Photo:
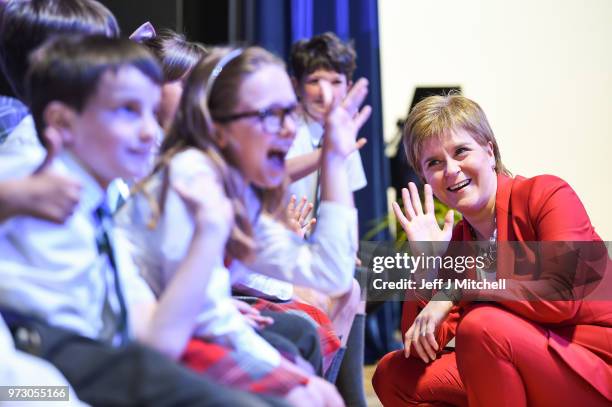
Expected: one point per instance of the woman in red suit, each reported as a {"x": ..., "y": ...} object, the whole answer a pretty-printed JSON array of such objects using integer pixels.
[{"x": 554, "y": 351}]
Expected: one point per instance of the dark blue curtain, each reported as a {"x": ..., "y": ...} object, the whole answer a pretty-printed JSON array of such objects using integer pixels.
[{"x": 279, "y": 23}]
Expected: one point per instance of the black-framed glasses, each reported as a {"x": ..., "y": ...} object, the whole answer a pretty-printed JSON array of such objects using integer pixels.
[{"x": 272, "y": 118}]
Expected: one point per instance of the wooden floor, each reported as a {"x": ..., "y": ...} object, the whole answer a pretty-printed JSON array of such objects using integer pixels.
[{"x": 371, "y": 398}]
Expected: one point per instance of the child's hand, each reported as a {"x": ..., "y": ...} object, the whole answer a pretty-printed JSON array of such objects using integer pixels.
[
  {"x": 212, "y": 212},
  {"x": 344, "y": 119},
  {"x": 252, "y": 315},
  {"x": 44, "y": 194},
  {"x": 296, "y": 216},
  {"x": 47, "y": 196},
  {"x": 316, "y": 393}
]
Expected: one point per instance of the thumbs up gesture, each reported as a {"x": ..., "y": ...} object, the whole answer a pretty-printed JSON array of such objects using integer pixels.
[{"x": 43, "y": 194}]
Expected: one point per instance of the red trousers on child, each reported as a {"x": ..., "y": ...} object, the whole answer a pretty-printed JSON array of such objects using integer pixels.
[{"x": 500, "y": 359}]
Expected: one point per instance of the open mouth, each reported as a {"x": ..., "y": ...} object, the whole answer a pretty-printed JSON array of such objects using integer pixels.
[
  {"x": 277, "y": 157},
  {"x": 459, "y": 186}
]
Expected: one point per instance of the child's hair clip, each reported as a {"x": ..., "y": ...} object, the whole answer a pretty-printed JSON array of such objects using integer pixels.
[{"x": 143, "y": 33}]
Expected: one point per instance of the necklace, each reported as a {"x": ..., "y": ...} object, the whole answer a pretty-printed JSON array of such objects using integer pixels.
[{"x": 488, "y": 252}]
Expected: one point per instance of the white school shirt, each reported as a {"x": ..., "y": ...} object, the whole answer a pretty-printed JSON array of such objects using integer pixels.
[
  {"x": 54, "y": 272},
  {"x": 21, "y": 152},
  {"x": 307, "y": 139},
  {"x": 159, "y": 251},
  {"x": 324, "y": 262}
]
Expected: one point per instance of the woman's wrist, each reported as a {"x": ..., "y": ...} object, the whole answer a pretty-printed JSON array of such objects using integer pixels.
[{"x": 453, "y": 295}]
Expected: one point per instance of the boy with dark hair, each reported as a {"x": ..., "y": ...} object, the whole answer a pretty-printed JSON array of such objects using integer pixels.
[
  {"x": 73, "y": 286},
  {"x": 323, "y": 66},
  {"x": 325, "y": 51},
  {"x": 321, "y": 63},
  {"x": 27, "y": 187},
  {"x": 24, "y": 25}
]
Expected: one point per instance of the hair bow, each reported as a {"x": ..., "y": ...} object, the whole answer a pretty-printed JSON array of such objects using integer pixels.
[{"x": 144, "y": 32}]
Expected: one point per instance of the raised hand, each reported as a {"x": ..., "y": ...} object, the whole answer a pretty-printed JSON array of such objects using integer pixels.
[
  {"x": 344, "y": 119},
  {"x": 421, "y": 225},
  {"x": 211, "y": 210},
  {"x": 296, "y": 216}
]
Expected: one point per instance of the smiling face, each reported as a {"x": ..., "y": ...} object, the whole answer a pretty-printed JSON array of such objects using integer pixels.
[
  {"x": 257, "y": 153},
  {"x": 461, "y": 172},
  {"x": 114, "y": 135},
  {"x": 311, "y": 94}
]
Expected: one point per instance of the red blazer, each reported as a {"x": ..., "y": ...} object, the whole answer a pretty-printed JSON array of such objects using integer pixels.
[{"x": 545, "y": 208}]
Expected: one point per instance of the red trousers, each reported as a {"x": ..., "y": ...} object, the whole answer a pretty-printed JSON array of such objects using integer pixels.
[{"x": 500, "y": 359}]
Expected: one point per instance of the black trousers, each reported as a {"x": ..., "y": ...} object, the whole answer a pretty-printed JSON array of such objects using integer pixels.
[
  {"x": 133, "y": 375},
  {"x": 293, "y": 334}
]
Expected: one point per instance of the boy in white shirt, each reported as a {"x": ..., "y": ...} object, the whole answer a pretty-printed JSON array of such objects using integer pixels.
[
  {"x": 73, "y": 285},
  {"x": 324, "y": 61},
  {"x": 27, "y": 186},
  {"x": 323, "y": 58}
]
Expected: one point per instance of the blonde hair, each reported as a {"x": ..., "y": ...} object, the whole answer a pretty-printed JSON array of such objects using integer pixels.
[
  {"x": 437, "y": 116},
  {"x": 212, "y": 90}
]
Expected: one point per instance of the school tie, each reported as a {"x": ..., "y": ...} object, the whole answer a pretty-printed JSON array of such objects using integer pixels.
[
  {"x": 115, "y": 329},
  {"x": 317, "y": 196}
]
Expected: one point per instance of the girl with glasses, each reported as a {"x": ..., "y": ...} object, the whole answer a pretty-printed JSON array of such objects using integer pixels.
[{"x": 222, "y": 169}]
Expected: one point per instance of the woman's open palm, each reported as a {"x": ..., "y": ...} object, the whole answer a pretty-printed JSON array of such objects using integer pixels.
[{"x": 421, "y": 225}]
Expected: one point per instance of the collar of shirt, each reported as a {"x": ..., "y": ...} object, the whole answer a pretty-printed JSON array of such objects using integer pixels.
[
  {"x": 92, "y": 194},
  {"x": 315, "y": 129}
]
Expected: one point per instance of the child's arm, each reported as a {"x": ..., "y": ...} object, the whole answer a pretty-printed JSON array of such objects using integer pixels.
[
  {"x": 173, "y": 320},
  {"x": 342, "y": 123},
  {"x": 43, "y": 195},
  {"x": 300, "y": 166}
]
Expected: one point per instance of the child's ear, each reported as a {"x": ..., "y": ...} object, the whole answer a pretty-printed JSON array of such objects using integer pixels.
[
  {"x": 60, "y": 117},
  {"x": 220, "y": 136}
]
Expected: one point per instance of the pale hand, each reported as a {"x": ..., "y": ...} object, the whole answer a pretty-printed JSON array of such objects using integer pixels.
[
  {"x": 344, "y": 119},
  {"x": 296, "y": 216},
  {"x": 210, "y": 208},
  {"x": 252, "y": 315},
  {"x": 50, "y": 196},
  {"x": 316, "y": 393},
  {"x": 421, "y": 225},
  {"x": 422, "y": 333}
]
